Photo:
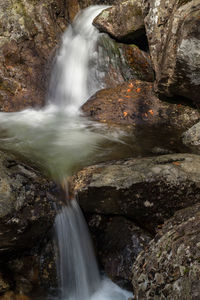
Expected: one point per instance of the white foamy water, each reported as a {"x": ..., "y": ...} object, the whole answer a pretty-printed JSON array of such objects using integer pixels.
[{"x": 59, "y": 139}]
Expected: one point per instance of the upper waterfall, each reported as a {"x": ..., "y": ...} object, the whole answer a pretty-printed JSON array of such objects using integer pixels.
[{"x": 69, "y": 85}]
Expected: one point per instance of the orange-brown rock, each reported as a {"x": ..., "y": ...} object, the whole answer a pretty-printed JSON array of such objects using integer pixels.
[
  {"x": 29, "y": 33},
  {"x": 134, "y": 104}
]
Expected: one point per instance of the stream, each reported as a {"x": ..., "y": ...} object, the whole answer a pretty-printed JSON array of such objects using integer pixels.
[{"x": 60, "y": 140}]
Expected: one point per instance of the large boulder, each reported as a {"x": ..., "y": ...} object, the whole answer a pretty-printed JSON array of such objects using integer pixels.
[
  {"x": 172, "y": 29},
  {"x": 124, "y": 21},
  {"x": 170, "y": 266},
  {"x": 134, "y": 104},
  {"x": 29, "y": 32},
  {"x": 27, "y": 211},
  {"x": 147, "y": 190},
  {"x": 116, "y": 255}
]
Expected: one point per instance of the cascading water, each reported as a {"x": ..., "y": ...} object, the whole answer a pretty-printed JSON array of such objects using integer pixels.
[{"x": 58, "y": 138}]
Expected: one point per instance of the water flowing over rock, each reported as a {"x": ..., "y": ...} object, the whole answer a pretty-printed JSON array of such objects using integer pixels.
[
  {"x": 124, "y": 21},
  {"x": 172, "y": 29},
  {"x": 26, "y": 206},
  {"x": 29, "y": 33},
  {"x": 147, "y": 190},
  {"x": 134, "y": 104},
  {"x": 170, "y": 267}
]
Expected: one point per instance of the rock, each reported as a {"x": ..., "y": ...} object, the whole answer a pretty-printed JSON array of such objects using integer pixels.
[
  {"x": 134, "y": 104},
  {"x": 123, "y": 62},
  {"x": 116, "y": 255},
  {"x": 170, "y": 268},
  {"x": 191, "y": 138},
  {"x": 4, "y": 285},
  {"x": 146, "y": 190},
  {"x": 172, "y": 29},
  {"x": 29, "y": 33},
  {"x": 124, "y": 21},
  {"x": 27, "y": 202}
]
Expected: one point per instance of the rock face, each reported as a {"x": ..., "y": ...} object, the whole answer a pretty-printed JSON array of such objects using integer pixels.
[
  {"x": 123, "y": 62},
  {"x": 118, "y": 242},
  {"x": 29, "y": 32},
  {"x": 147, "y": 190},
  {"x": 26, "y": 206},
  {"x": 172, "y": 29},
  {"x": 124, "y": 21},
  {"x": 134, "y": 104},
  {"x": 170, "y": 267}
]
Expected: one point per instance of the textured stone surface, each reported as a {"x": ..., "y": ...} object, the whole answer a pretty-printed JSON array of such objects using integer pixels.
[
  {"x": 174, "y": 41},
  {"x": 170, "y": 267},
  {"x": 147, "y": 190},
  {"x": 29, "y": 32},
  {"x": 124, "y": 21},
  {"x": 26, "y": 206},
  {"x": 118, "y": 63},
  {"x": 118, "y": 242},
  {"x": 134, "y": 104},
  {"x": 191, "y": 138}
]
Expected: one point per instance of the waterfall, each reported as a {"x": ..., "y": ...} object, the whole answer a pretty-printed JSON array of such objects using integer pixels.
[{"x": 59, "y": 139}]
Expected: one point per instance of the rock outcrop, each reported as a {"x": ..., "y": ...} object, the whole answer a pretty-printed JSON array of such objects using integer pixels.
[
  {"x": 170, "y": 266},
  {"x": 147, "y": 190},
  {"x": 191, "y": 138},
  {"x": 29, "y": 33},
  {"x": 134, "y": 104},
  {"x": 27, "y": 202},
  {"x": 123, "y": 22},
  {"x": 172, "y": 28}
]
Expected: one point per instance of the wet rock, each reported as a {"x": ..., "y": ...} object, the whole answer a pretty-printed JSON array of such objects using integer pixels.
[
  {"x": 124, "y": 21},
  {"x": 170, "y": 268},
  {"x": 191, "y": 138},
  {"x": 123, "y": 62},
  {"x": 29, "y": 32},
  {"x": 134, "y": 104},
  {"x": 26, "y": 206},
  {"x": 118, "y": 242},
  {"x": 172, "y": 29},
  {"x": 146, "y": 190}
]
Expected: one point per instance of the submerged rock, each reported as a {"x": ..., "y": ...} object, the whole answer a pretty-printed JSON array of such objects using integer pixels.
[
  {"x": 134, "y": 104},
  {"x": 29, "y": 32},
  {"x": 147, "y": 190},
  {"x": 26, "y": 206},
  {"x": 118, "y": 242},
  {"x": 124, "y": 21},
  {"x": 172, "y": 29},
  {"x": 170, "y": 266}
]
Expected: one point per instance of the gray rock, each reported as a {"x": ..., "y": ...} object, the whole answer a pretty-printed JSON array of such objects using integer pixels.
[
  {"x": 191, "y": 138},
  {"x": 118, "y": 242},
  {"x": 124, "y": 21},
  {"x": 27, "y": 202},
  {"x": 170, "y": 266},
  {"x": 172, "y": 29},
  {"x": 148, "y": 190}
]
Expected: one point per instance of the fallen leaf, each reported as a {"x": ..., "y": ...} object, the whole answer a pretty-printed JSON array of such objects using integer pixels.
[
  {"x": 138, "y": 90},
  {"x": 130, "y": 85},
  {"x": 129, "y": 90},
  {"x": 176, "y": 163},
  {"x": 151, "y": 112},
  {"x": 125, "y": 113}
]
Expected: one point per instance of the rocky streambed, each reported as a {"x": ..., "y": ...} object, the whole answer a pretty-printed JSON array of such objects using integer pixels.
[{"x": 142, "y": 211}]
